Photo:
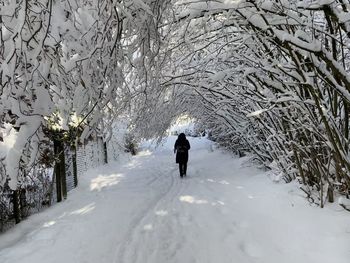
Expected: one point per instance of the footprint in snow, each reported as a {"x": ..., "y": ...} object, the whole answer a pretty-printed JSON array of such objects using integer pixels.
[{"x": 251, "y": 249}]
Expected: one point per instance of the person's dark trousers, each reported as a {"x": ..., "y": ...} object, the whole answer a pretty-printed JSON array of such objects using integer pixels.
[{"x": 183, "y": 169}]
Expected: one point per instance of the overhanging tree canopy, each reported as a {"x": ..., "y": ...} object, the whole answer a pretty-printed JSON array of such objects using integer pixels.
[{"x": 270, "y": 77}]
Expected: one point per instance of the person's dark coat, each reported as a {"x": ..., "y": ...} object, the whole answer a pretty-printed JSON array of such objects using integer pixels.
[{"x": 181, "y": 148}]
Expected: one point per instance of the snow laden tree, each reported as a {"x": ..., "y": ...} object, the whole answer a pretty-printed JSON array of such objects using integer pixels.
[
  {"x": 67, "y": 69},
  {"x": 271, "y": 77}
]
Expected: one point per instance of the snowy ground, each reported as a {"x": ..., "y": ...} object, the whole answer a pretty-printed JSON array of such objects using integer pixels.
[{"x": 141, "y": 211}]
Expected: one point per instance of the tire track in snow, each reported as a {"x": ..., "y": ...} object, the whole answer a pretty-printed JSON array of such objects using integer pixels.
[
  {"x": 128, "y": 250},
  {"x": 163, "y": 239},
  {"x": 155, "y": 239},
  {"x": 168, "y": 236},
  {"x": 185, "y": 221}
]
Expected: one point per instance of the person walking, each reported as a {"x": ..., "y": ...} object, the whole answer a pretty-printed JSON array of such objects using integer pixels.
[{"x": 181, "y": 148}]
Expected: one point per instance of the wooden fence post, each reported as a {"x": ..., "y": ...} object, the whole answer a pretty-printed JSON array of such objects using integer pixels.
[
  {"x": 105, "y": 152},
  {"x": 60, "y": 170},
  {"x": 75, "y": 168},
  {"x": 16, "y": 208}
]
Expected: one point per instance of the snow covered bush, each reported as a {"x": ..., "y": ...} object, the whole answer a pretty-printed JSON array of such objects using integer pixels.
[{"x": 130, "y": 144}]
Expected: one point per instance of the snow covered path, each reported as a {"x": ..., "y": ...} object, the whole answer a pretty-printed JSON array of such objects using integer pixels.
[{"x": 141, "y": 211}]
